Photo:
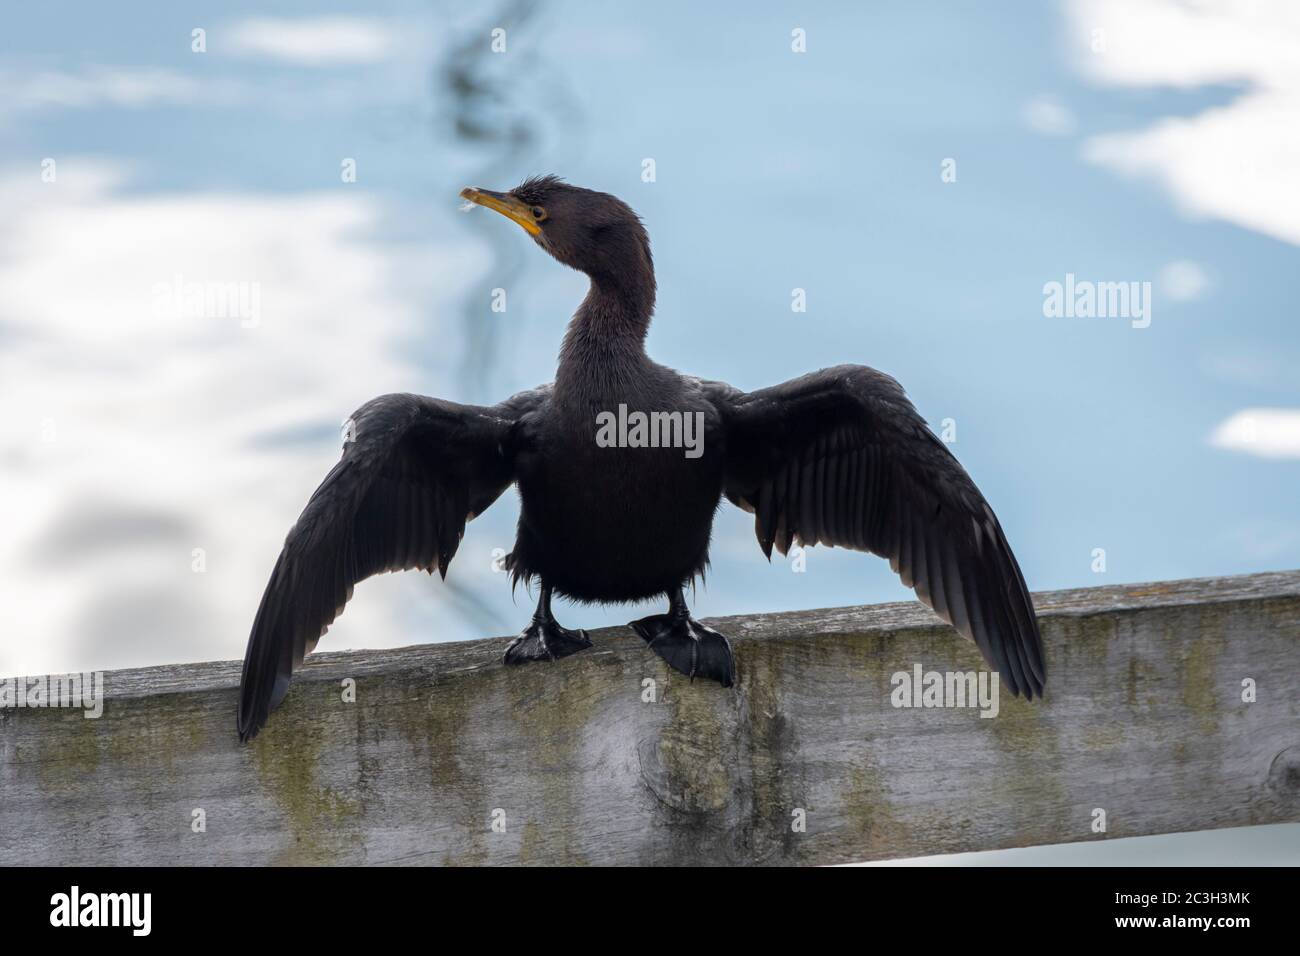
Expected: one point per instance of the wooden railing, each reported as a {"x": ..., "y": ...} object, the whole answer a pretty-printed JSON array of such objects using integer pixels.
[{"x": 1171, "y": 706}]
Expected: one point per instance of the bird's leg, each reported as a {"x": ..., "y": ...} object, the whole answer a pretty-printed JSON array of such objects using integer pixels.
[
  {"x": 686, "y": 644},
  {"x": 544, "y": 639}
]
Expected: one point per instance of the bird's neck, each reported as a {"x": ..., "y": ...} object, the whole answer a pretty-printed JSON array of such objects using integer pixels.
[{"x": 606, "y": 337}]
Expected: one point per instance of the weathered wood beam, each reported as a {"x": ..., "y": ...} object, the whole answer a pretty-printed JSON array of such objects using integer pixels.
[{"x": 1144, "y": 719}]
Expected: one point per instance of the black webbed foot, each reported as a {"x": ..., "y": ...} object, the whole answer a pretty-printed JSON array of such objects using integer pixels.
[
  {"x": 689, "y": 647},
  {"x": 545, "y": 641}
]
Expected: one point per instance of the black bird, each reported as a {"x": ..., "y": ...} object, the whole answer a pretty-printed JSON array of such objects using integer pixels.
[{"x": 615, "y": 510}]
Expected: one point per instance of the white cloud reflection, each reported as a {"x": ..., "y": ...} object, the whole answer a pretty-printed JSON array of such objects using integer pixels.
[
  {"x": 318, "y": 41},
  {"x": 1235, "y": 162},
  {"x": 1049, "y": 116},
  {"x": 1183, "y": 281},
  {"x": 135, "y": 433},
  {"x": 1263, "y": 432},
  {"x": 98, "y": 86}
]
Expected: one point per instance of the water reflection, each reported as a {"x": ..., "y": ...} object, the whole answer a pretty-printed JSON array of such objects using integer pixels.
[
  {"x": 503, "y": 125},
  {"x": 172, "y": 432},
  {"x": 498, "y": 124}
]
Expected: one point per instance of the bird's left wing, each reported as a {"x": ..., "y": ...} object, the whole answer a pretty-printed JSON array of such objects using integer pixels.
[
  {"x": 841, "y": 457},
  {"x": 414, "y": 470}
]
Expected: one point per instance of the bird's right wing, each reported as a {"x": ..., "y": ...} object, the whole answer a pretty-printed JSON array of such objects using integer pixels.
[{"x": 414, "y": 470}]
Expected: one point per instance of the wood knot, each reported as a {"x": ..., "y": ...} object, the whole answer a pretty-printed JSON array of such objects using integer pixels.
[
  {"x": 684, "y": 776},
  {"x": 1284, "y": 773}
]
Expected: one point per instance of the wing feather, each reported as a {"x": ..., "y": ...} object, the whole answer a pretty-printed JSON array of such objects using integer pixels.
[
  {"x": 398, "y": 499},
  {"x": 841, "y": 457}
]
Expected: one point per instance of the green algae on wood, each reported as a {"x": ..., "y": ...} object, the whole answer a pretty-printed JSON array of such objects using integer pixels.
[{"x": 1143, "y": 717}]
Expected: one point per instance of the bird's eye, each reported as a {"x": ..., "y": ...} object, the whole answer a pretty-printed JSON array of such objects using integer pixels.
[{"x": 539, "y": 213}]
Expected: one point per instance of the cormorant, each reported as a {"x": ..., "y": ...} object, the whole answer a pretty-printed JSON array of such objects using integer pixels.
[{"x": 618, "y": 507}]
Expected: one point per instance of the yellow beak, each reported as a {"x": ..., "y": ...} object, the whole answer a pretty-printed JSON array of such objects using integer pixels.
[{"x": 504, "y": 203}]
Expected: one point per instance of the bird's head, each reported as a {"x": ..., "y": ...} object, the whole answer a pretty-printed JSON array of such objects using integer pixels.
[{"x": 592, "y": 232}]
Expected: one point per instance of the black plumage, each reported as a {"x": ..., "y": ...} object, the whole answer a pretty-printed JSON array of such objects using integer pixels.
[{"x": 838, "y": 457}]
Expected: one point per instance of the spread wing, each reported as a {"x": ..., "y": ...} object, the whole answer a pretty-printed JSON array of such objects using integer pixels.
[
  {"x": 840, "y": 457},
  {"x": 413, "y": 471}
]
